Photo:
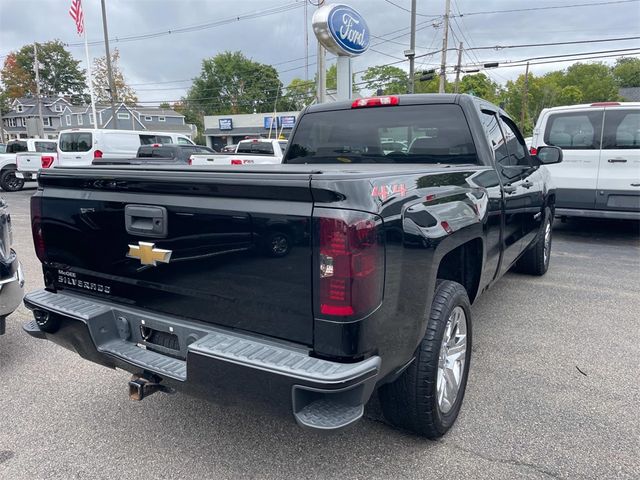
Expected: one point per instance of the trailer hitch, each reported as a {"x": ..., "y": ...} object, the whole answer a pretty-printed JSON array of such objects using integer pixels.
[{"x": 142, "y": 385}]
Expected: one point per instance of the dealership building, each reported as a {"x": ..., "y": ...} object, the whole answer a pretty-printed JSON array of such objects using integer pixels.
[{"x": 221, "y": 130}]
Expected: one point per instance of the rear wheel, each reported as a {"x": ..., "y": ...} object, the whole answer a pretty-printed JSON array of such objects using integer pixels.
[
  {"x": 427, "y": 397},
  {"x": 535, "y": 261},
  {"x": 9, "y": 182}
]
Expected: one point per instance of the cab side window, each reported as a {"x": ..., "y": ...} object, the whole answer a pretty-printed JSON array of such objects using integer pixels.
[
  {"x": 574, "y": 130},
  {"x": 621, "y": 129},
  {"x": 518, "y": 156},
  {"x": 494, "y": 133}
]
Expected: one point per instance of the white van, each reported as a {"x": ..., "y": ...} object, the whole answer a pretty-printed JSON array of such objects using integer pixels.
[
  {"x": 600, "y": 172},
  {"x": 79, "y": 146}
]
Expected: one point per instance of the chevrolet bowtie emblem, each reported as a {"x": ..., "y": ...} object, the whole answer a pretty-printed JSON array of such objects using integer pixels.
[{"x": 148, "y": 255}]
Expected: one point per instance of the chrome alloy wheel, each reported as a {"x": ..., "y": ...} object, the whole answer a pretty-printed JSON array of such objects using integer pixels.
[
  {"x": 547, "y": 242},
  {"x": 451, "y": 361}
]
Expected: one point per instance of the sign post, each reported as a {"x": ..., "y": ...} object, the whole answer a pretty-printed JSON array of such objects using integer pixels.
[{"x": 344, "y": 32}]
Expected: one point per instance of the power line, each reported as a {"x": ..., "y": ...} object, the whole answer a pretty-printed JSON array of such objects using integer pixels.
[{"x": 468, "y": 14}]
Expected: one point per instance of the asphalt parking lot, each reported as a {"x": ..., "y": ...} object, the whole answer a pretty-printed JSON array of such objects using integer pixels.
[{"x": 553, "y": 392}]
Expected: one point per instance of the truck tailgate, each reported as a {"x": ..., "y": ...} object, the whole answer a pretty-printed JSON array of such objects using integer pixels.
[{"x": 233, "y": 249}]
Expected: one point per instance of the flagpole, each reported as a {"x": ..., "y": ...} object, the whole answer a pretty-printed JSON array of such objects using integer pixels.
[{"x": 90, "y": 78}]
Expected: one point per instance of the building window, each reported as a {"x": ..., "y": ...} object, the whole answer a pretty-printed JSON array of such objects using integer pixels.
[
  {"x": 46, "y": 121},
  {"x": 123, "y": 116},
  {"x": 91, "y": 119},
  {"x": 57, "y": 108},
  {"x": 100, "y": 118},
  {"x": 147, "y": 118},
  {"x": 19, "y": 108},
  {"x": 162, "y": 119},
  {"x": 79, "y": 119},
  {"x": 68, "y": 119},
  {"x": 12, "y": 122}
]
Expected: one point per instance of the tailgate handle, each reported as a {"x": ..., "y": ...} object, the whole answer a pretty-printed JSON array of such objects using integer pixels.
[
  {"x": 146, "y": 221},
  {"x": 617, "y": 160}
]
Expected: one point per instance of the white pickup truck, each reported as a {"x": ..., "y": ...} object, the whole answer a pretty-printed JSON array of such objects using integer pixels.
[
  {"x": 12, "y": 178},
  {"x": 252, "y": 151}
]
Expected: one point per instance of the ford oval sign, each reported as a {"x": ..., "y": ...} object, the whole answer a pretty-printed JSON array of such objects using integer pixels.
[{"x": 341, "y": 30}]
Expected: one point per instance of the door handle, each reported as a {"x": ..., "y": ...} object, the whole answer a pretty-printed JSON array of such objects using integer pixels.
[
  {"x": 527, "y": 184},
  {"x": 635, "y": 184},
  {"x": 617, "y": 160},
  {"x": 509, "y": 189}
]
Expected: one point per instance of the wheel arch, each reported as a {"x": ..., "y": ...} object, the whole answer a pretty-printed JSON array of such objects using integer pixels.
[{"x": 463, "y": 264}]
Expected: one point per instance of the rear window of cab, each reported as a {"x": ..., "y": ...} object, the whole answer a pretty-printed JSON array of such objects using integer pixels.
[{"x": 414, "y": 134}]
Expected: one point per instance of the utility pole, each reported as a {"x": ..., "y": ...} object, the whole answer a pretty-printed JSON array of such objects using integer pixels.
[
  {"x": 1, "y": 126},
  {"x": 445, "y": 38},
  {"x": 458, "y": 67},
  {"x": 113, "y": 94},
  {"x": 524, "y": 97},
  {"x": 321, "y": 88},
  {"x": 412, "y": 49},
  {"x": 306, "y": 42},
  {"x": 36, "y": 66}
]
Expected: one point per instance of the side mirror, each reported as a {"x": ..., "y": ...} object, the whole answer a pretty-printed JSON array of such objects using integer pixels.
[{"x": 548, "y": 155}]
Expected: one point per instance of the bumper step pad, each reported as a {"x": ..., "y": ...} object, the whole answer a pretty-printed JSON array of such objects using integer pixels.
[
  {"x": 147, "y": 359},
  {"x": 325, "y": 395}
]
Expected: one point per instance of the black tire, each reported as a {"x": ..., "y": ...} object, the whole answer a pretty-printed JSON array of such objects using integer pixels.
[
  {"x": 411, "y": 401},
  {"x": 9, "y": 182},
  {"x": 535, "y": 261}
]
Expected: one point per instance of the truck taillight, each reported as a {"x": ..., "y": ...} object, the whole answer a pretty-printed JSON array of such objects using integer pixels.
[
  {"x": 350, "y": 263},
  {"x": 97, "y": 154},
  {"x": 533, "y": 151},
  {"x": 36, "y": 227},
  {"x": 46, "y": 161},
  {"x": 190, "y": 161}
]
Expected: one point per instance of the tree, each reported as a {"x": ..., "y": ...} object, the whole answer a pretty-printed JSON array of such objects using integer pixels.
[
  {"x": 332, "y": 79},
  {"x": 165, "y": 105},
  {"x": 231, "y": 83},
  {"x": 479, "y": 85},
  {"x": 59, "y": 72},
  {"x": 595, "y": 81},
  {"x": 391, "y": 80},
  {"x": 299, "y": 94},
  {"x": 626, "y": 72},
  {"x": 124, "y": 93}
]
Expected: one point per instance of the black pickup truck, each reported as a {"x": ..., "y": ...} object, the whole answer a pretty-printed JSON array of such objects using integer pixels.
[{"x": 345, "y": 270}]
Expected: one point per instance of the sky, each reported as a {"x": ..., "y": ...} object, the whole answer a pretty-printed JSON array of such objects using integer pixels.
[{"x": 160, "y": 67}]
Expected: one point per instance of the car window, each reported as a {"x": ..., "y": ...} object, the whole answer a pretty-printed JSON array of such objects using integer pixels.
[
  {"x": 183, "y": 141},
  {"x": 17, "y": 147},
  {"x": 75, "y": 142},
  {"x": 574, "y": 130},
  {"x": 621, "y": 129},
  {"x": 200, "y": 149},
  {"x": 494, "y": 133},
  {"x": 434, "y": 133},
  {"x": 516, "y": 148},
  {"x": 257, "y": 148},
  {"x": 45, "y": 146}
]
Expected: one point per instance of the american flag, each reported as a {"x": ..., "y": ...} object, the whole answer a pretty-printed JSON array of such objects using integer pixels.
[{"x": 76, "y": 13}]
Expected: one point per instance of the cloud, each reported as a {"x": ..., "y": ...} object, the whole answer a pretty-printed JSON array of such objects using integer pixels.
[{"x": 278, "y": 38}]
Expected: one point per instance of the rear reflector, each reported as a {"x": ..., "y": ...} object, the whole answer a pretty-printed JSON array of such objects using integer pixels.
[
  {"x": 46, "y": 161},
  {"x": 36, "y": 227},
  {"x": 533, "y": 151},
  {"x": 97, "y": 154},
  {"x": 236, "y": 162},
  {"x": 190, "y": 161},
  {"x": 376, "y": 102},
  {"x": 350, "y": 263}
]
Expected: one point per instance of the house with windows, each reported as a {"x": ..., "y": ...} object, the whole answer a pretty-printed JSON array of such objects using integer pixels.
[
  {"x": 21, "y": 121},
  {"x": 59, "y": 114}
]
